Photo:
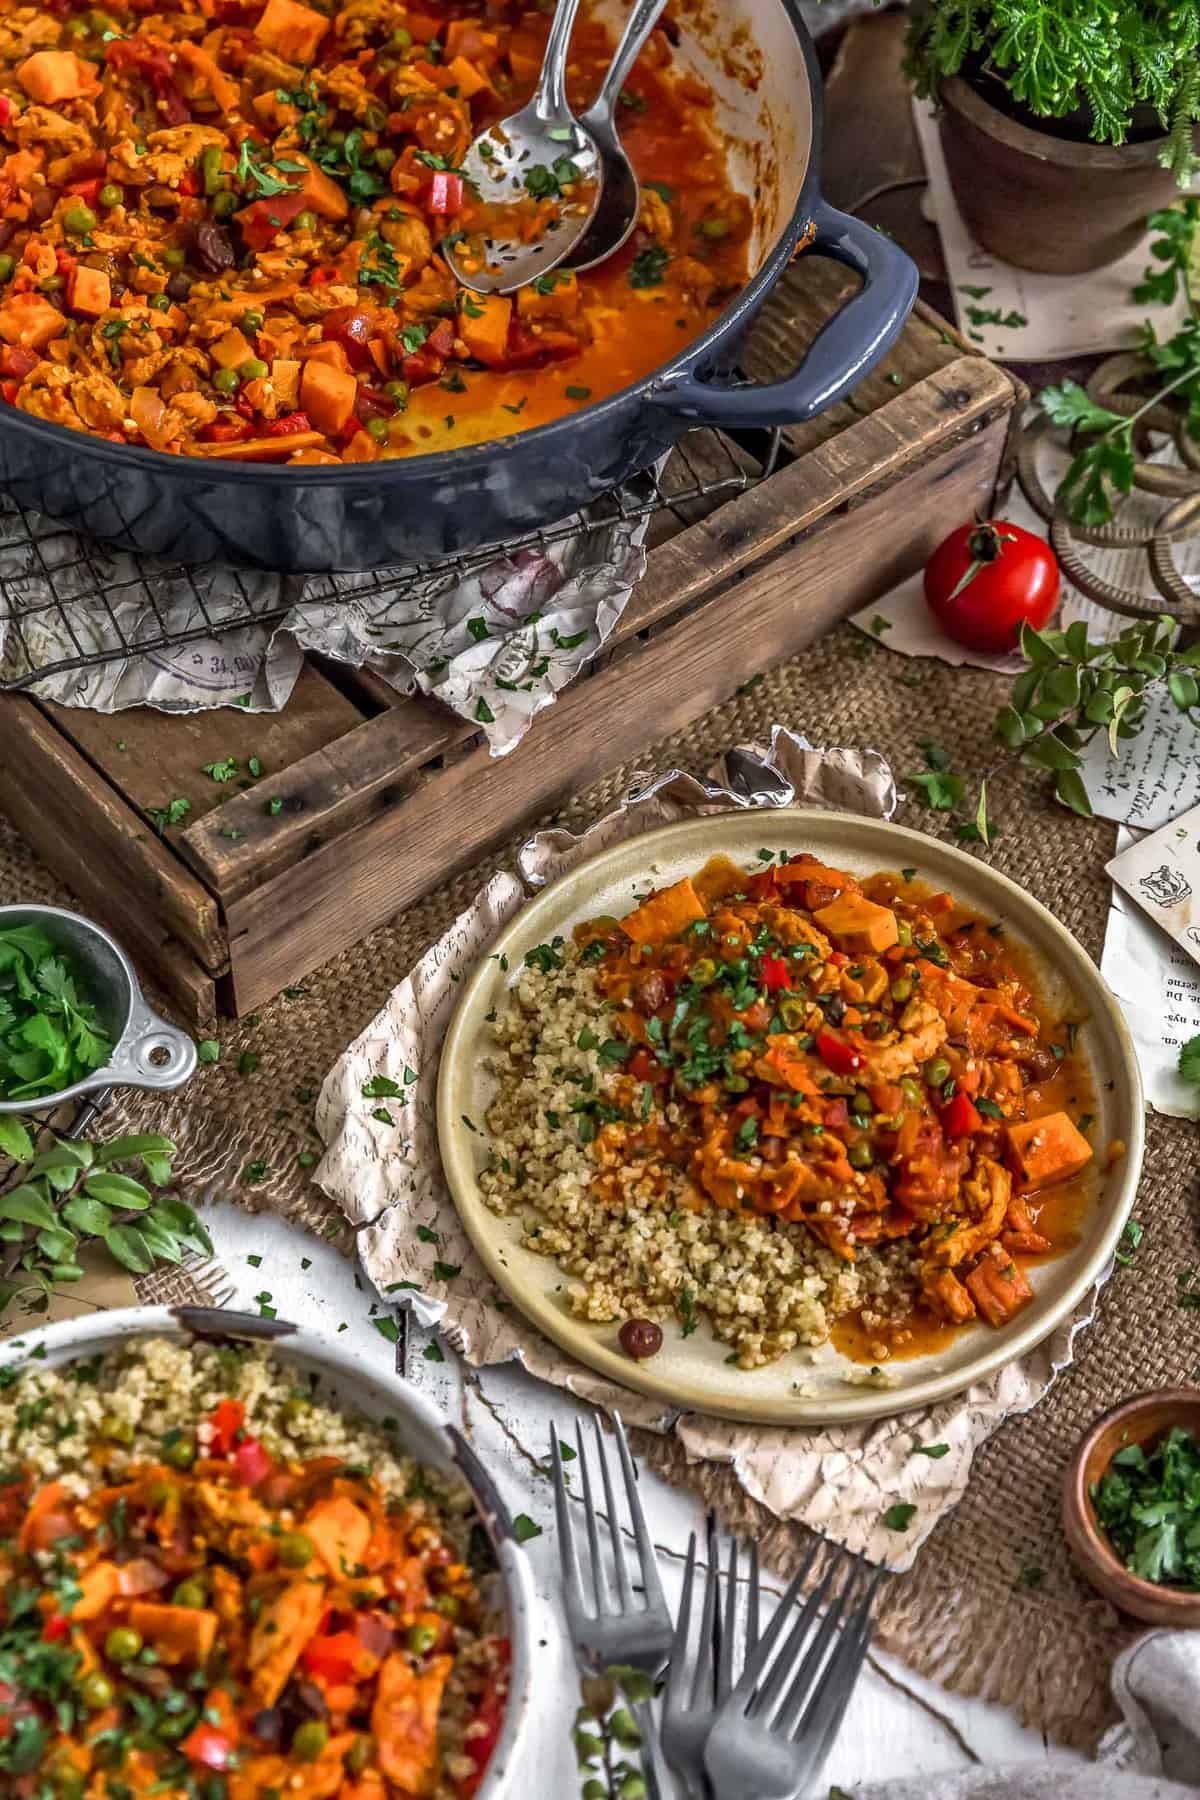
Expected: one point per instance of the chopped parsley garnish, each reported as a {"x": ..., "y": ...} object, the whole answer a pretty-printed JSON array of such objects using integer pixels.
[
  {"x": 648, "y": 267},
  {"x": 1147, "y": 1503}
]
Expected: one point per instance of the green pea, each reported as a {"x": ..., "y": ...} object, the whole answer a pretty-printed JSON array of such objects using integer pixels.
[
  {"x": 306, "y": 221},
  {"x": 397, "y": 391},
  {"x": 859, "y": 1156},
  {"x": 703, "y": 972},
  {"x": 384, "y": 157},
  {"x": 358, "y": 1755},
  {"x": 122, "y": 1644},
  {"x": 227, "y": 381},
  {"x": 96, "y": 1691},
  {"x": 401, "y": 39},
  {"x": 793, "y": 1011},
  {"x": 117, "y": 1431},
  {"x": 252, "y": 319},
  {"x": 937, "y": 1072},
  {"x": 160, "y": 302},
  {"x": 77, "y": 28},
  {"x": 79, "y": 219},
  {"x": 210, "y": 168},
  {"x": 174, "y": 257},
  {"x": 254, "y": 369},
  {"x": 224, "y": 204},
  {"x": 714, "y": 228},
  {"x": 180, "y": 1452},
  {"x": 912, "y": 1091},
  {"x": 295, "y": 1407},
  {"x": 111, "y": 195},
  {"x": 448, "y": 1605},
  {"x": 294, "y": 1550},
  {"x": 52, "y": 284},
  {"x": 310, "y": 1739},
  {"x": 336, "y": 137},
  {"x": 375, "y": 118},
  {"x": 860, "y": 1103},
  {"x": 420, "y": 1639},
  {"x": 7, "y": 265},
  {"x": 736, "y": 1084},
  {"x": 189, "y": 1593},
  {"x": 902, "y": 988},
  {"x": 377, "y": 429}
]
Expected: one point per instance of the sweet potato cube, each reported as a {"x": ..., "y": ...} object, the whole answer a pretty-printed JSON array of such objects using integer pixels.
[
  {"x": 859, "y": 925},
  {"x": 319, "y": 193},
  {"x": 31, "y": 321},
  {"x": 291, "y": 30},
  {"x": 231, "y": 348},
  {"x": 483, "y": 322},
  {"x": 89, "y": 291},
  {"x": 1047, "y": 1149},
  {"x": 998, "y": 1287},
  {"x": 551, "y": 296},
  {"x": 466, "y": 78},
  {"x": 328, "y": 396},
  {"x": 285, "y": 379},
  {"x": 178, "y": 1633},
  {"x": 664, "y": 915},
  {"x": 52, "y": 76},
  {"x": 468, "y": 39},
  {"x": 341, "y": 1531}
]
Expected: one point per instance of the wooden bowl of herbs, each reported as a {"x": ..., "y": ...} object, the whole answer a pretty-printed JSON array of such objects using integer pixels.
[{"x": 1131, "y": 1506}]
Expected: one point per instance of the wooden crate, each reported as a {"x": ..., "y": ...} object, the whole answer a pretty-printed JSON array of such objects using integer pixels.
[{"x": 384, "y": 797}]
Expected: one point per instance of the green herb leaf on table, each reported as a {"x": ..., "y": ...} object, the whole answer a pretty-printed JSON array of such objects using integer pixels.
[
  {"x": 1189, "y": 1061},
  {"x": 900, "y": 1516}
]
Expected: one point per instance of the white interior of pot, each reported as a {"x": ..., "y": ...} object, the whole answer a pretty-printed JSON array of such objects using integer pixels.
[{"x": 748, "y": 53}]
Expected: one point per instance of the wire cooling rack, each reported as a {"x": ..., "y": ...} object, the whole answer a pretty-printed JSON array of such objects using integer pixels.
[{"x": 69, "y": 602}]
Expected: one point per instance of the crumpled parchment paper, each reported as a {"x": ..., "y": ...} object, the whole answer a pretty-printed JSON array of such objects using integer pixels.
[
  {"x": 496, "y": 643},
  {"x": 388, "y": 1182}
]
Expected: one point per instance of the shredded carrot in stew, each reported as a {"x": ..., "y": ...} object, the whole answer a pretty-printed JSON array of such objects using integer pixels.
[
  {"x": 859, "y": 1056},
  {"x": 222, "y": 1626},
  {"x": 221, "y": 220}
]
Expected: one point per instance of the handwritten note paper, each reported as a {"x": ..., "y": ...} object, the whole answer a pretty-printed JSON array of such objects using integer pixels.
[
  {"x": 1157, "y": 986},
  {"x": 1157, "y": 775}
]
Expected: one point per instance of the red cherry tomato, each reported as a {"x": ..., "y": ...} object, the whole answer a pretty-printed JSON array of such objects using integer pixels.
[{"x": 985, "y": 581}]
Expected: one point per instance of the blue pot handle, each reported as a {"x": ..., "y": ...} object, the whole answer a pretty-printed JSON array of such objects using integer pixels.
[{"x": 844, "y": 351}]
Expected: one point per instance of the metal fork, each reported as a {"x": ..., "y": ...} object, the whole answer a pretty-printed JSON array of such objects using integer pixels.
[
  {"x": 773, "y": 1733},
  {"x": 702, "y": 1666},
  {"x": 607, "y": 1629}
]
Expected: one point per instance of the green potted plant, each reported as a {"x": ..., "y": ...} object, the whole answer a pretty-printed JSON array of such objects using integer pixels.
[{"x": 1064, "y": 122}]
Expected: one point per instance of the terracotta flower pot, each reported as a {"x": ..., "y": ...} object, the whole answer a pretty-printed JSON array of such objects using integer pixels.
[{"x": 1045, "y": 202}]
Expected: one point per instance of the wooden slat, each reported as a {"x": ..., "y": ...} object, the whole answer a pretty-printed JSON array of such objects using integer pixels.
[
  {"x": 306, "y": 914},
  {"x": 341, "y": 784},
  {"x": 108, "y": 856},
  {"x": 154, "y": 756}
]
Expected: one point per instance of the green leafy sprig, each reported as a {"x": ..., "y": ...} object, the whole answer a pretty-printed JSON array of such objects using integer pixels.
[
  {"x": 1058, "y": 56},
  {"x": 49, "y": 1036},
  {"x": 71, "y": 1195},
  {"x": 608, "y": 1737},
  {"x": 1104, "y": 466}
]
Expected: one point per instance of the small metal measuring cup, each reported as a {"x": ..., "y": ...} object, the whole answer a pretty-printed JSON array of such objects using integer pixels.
[{"x": 147, "y": 1052}]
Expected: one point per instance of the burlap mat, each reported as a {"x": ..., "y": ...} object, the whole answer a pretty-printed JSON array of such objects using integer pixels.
[{"x": 993, "y": 1606}]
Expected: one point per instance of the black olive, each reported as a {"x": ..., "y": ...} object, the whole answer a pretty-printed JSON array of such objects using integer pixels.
[
  {"x": 267, "y": 1725},
  {"x": 179, "y": 286},
  {"x": 304, "y": 1700},
  {"x": 42, "y": 204},
  {"x": 640, "y": 1338},
  {"x": 214, "y": 248}
]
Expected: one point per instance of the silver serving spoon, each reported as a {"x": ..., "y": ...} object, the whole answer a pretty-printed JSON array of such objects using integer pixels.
[
  {"x": 620, "y": 192},
  {"x": 542, "y": 150}
]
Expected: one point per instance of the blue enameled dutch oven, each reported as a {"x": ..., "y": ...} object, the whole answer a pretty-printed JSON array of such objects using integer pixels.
[{"x": 759, "y": 60}]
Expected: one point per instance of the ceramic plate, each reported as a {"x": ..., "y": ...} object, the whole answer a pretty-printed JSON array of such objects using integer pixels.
[{"x": 692, "y": 1371}]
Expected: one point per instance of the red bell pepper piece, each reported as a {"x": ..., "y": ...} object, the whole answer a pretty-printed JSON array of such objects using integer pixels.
[
  {"x": 230, "y": 1415},
  {"x": 5, "y": 109},
  {"x": 775, "y": 973},
  {"x": 643, "y": 1067},
  {"x": 153, "y": 63},
  {"x": 87, "y": 190},
  {"x": 262, "y": 219},
  {"x": 479, "y": 1743},
  {"x": 836, "y": 1115},
  {"x": 287, "y": 425},
  {"x": 251, "y": 1462},
  {"x": 445, "y": 193},
  {"x": 209, "y": 1746},
  {"x": 961, "y": 1118},
  {"x": 56, "y": 1627},
  {"x": 16, "y": 360},
  {"x": 228, "y": 429},
  {"x": 351, "y": 328},
  {"x": 333, "y": 1657},
  {"x": 837, "y": 1054}
]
